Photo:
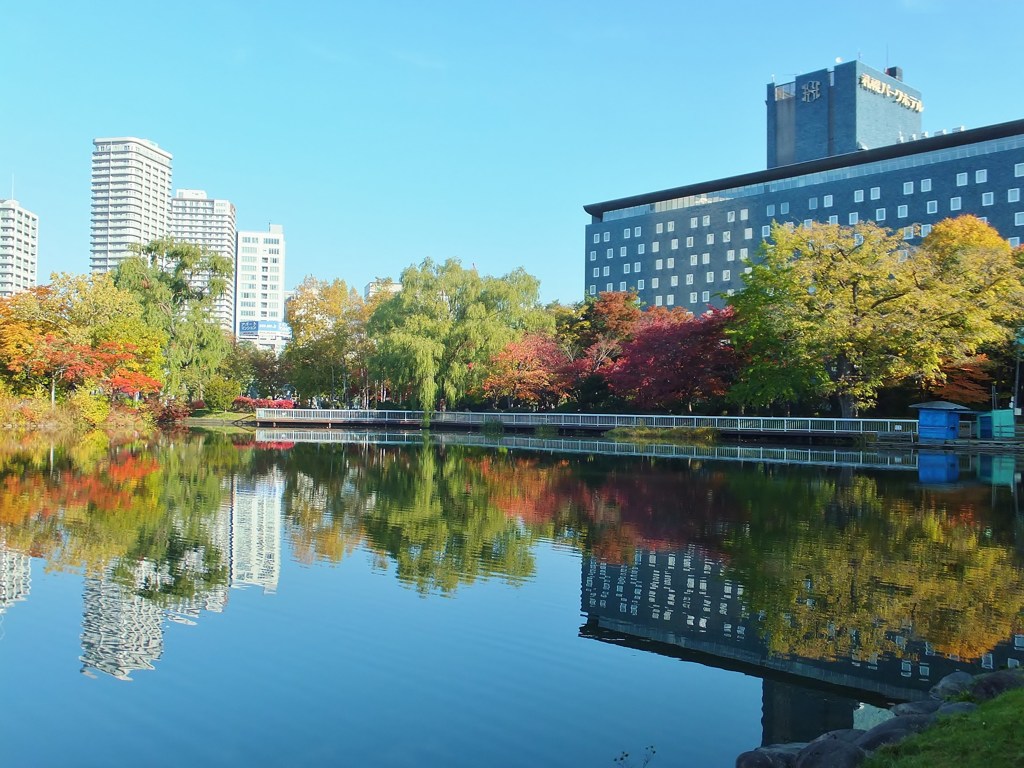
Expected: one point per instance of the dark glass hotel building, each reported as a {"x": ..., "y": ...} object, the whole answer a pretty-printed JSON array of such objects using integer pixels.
[{"x": 844, "y": 145}]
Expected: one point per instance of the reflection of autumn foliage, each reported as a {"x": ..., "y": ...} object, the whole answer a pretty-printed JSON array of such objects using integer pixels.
[
  {"x": 89, "y": 506},
  {"x": 633, "y": 504},
  {"x": 859, "y": 571}
]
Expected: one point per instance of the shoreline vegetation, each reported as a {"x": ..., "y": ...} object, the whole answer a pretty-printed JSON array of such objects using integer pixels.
[
  {"x": 942, "y": 324},
  {"x": 672, "y": 435}
]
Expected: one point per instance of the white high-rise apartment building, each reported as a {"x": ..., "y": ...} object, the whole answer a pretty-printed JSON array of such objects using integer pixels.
[
  {"x": 259, "y": 288},
  {"x": 19, "y": 248},
  {"x": 131, "y": 191},
  {"x": 209, "y": 223}
]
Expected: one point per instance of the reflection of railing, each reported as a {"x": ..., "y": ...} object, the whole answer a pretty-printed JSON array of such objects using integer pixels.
[
  {"x": 589, "y": 421},
  {"x": 809, "y": 456}
]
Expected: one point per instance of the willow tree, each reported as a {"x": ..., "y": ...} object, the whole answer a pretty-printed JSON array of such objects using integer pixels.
[
  {"x": 434, "y": 337},
  {"x": 178, "y": 284},
  {"x": 839, "y": 312}
]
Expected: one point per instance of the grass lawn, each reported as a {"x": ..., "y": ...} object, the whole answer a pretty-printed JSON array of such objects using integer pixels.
[
  {"x": 655, "y": 435},
  {"x": 991, "y": 736},
  {"x": 221, "y": 417}
]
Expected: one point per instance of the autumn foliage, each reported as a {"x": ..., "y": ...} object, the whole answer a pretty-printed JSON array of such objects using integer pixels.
[{"x": 675, "y": 359}]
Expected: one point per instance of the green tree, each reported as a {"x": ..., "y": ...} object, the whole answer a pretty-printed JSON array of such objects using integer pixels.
[
  {"x": 177, "y": 284},
  {"x": 435, "y": 337},
  {"x": 842, "y": 311},
  {"x": 327, "y": 354}
]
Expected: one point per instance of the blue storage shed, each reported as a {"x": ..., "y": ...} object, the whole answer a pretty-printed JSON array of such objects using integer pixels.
[{"x": 939, "y": 420}]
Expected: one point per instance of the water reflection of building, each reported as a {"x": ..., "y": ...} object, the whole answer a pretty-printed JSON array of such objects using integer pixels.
[
  {"x": 15, "y": 577},
  {"x": 256, "y": 505},
  {"x": 126, "y": 608},
  {"x": 682, "y": 603},
  {"x": 121, "y": 630}
]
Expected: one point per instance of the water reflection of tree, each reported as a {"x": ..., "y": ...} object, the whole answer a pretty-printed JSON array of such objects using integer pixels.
[
  {"x": 97, "y": 508},
  {"x": 843, "y": 567},
  {"x": 428, "y": 511}
]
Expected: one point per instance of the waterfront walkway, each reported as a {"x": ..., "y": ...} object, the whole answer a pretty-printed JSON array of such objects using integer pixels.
[{"x": 767, "y": 426}]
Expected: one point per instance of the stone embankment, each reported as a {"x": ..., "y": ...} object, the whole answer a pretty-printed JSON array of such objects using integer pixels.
[{"x": 851, "y": 746}]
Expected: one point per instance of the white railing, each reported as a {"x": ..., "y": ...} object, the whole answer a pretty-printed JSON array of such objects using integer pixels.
[
  {"x": 596, "y": 421},
  {"x": 743, "y": 453}
]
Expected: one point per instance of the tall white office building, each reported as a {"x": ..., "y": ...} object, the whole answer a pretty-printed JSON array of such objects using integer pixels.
[
  {"x": 19, "y": 248},
  {"x": 259, "y": 288},
  {"x": 131, "y": 191},
  {"x": 209, "y": 223}
]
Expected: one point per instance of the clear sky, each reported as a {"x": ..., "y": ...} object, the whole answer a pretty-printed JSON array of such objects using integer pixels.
[{"x": 379, "y": 134}]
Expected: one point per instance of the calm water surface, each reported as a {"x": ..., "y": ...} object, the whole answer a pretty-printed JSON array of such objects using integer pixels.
[{"x": 227, "y": 601}]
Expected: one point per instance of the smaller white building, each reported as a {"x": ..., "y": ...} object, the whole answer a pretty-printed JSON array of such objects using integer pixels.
[
  {"x": 259, "y": 288},
  {"x": 19, "y": 248},
  {"x": 380, "y": 286}
]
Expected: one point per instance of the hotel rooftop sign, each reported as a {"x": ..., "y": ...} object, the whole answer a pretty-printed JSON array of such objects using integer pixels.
[{"x": 900, "y": 97}]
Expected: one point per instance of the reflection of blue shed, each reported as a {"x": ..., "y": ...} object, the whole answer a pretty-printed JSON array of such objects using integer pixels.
[
  {"x": 937, "y": 468},
  {"x": 939, "y": 420}
]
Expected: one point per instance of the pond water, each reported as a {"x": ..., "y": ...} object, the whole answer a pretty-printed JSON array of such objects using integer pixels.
[{"x": 394, "y": 600}]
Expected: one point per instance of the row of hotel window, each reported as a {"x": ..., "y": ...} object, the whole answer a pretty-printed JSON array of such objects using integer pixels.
[
  {"x": 955, "y": 204},
  {"x": 874, "y": 193},
  {"x": 668, "y": 300},
  {"x": 709, "y": 277},
  {"x": 641, "y": 248}
]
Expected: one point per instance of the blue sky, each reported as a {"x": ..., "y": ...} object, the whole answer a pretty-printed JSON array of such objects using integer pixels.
[{"x": 382, "y": 134}]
